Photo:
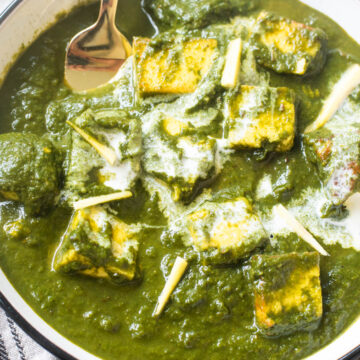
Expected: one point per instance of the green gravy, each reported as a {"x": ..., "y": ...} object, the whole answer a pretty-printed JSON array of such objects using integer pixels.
[{"x": 211, "y": 311}]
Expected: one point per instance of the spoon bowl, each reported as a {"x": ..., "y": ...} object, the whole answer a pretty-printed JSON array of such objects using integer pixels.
[{"x": 95, "y": 54}]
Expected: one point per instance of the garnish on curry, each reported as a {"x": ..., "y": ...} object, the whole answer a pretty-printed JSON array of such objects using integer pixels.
[{"x": 202, "y": 203}]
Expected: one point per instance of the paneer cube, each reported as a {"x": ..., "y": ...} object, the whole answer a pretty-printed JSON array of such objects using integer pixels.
[
  {"x": 319, "y": 146},
  {"x": 99, "y": 245},
  {"x": 224, "y": 232},
  {"x": 176, "y": 67},
  {"x": 286, "y": 46},
  {"x": 261, "y": 117},
  {"x": 17, "y": 229},
  {"x": 287, "y": 292},
  {"x": 90, "y": 174},
  {"x": 173, "y": 126},
  {"x": 172, "y": 154},
  {"x": 335, "y": 151},
  {"x": 336, "y": 157},
  {"x": 182, "y": 166}
]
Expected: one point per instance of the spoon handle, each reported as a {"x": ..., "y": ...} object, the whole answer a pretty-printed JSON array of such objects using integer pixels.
[{"x": 108, "y": 8}]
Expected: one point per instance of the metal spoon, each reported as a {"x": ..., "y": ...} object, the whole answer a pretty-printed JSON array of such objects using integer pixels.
[{"x": 95, "y": 54}]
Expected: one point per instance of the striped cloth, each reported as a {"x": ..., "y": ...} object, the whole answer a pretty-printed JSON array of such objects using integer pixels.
[{"x": 16, "y": 345}]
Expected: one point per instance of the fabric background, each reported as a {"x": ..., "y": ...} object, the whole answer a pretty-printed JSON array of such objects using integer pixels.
[{"x": 16, "y": 345}]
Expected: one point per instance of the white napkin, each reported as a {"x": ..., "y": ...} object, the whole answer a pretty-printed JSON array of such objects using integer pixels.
[{"x": 16, "y": 345}]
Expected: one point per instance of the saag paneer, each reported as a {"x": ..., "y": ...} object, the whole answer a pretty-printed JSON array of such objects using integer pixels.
[{"x": 204, "y": 133}]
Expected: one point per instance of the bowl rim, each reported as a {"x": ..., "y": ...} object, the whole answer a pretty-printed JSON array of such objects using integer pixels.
[
  {"x": 4, "y": 303},
  {"x": 9, "y": 9},
  {"x": 25, "y": 325},
  {"x": 63, "y": 355}
]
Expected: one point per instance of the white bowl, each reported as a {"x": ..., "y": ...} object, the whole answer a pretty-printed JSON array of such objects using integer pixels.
[{"x": 34, "y": 17}]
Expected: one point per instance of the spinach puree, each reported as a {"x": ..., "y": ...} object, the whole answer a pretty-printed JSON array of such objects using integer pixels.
[{"x": 102, "y": 296}]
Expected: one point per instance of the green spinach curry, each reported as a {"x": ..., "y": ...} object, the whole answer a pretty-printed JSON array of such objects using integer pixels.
[{"x": 205, "y": 125}]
